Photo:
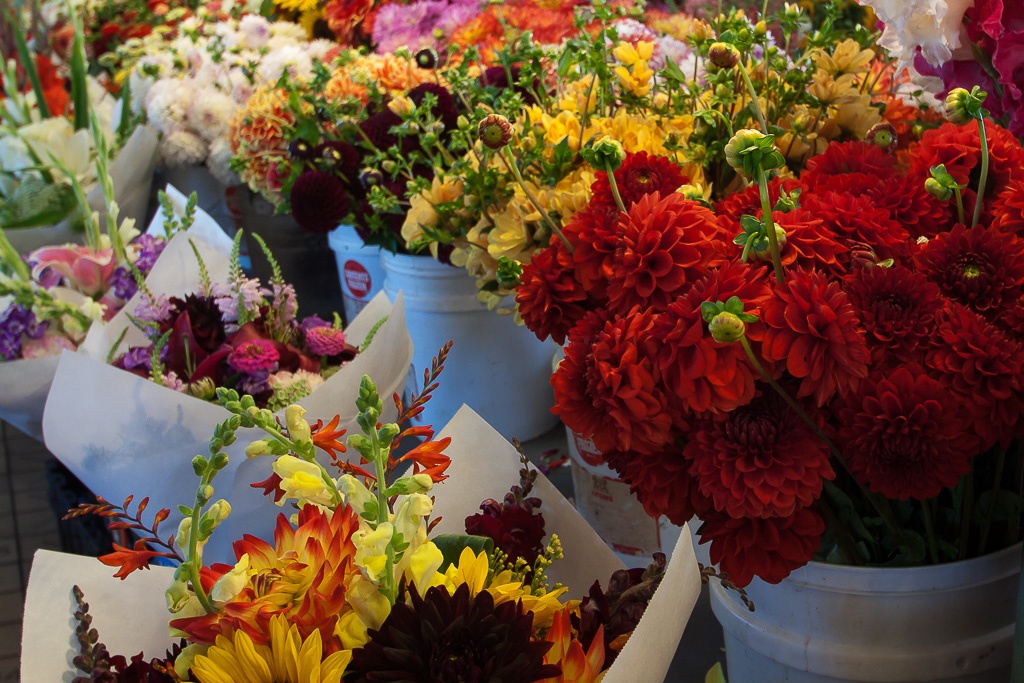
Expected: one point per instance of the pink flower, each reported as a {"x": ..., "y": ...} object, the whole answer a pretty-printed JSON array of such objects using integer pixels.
[
  {"x": 48, "y": 345},
  {"x": 325, "y": 341},
  {"x": 255, "y": 355},
  {"x": 74, "y": 266}
]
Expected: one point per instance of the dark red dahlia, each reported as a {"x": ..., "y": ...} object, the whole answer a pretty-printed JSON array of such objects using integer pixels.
[
  {"x": 319, "y": 201},
  {"x": 852, "y": 166},
  {"x": 595, "y": 234},
  {"x": 444, "y": 637},
  {"x": 858, "y": 222},
  {"x": 515, "y": 524},
  {"x": 703, "y": 374},
  {"x": 814, "y": 333},
  {"x": 731, "y": 208},
  {"x": 609, "y": 389},
  {"x": 897, "y": 308},
  {"x": 665, "y": 246},
  {"x": 984, "y": 367},
  {"x": 909, "y": 204},
  {"x": 551, "y": 300},
  {"x": 340, "y": 158},
  {"x": 641, "y": 174},
  {"x": 767, "y": 548},
  {"x": 759, "y": 460},
  {"x": 808, "y": 245},
  {"x": 205, "y": 325},
  {"x": 444, "y": 109},
  {"x": 377, "y": 128},
  {"x": 661, "y": 483},
  {"x": 959, "y": 149},
  {"x": 1007, "y": 208},
  {"x": 982, "y": 268},
  {"x": 904, "y": 434}
]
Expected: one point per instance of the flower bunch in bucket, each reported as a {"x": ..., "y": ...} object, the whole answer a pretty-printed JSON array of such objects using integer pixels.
[
  {"x": 820, "y": 366},
  {"x": 355, "y": 584},
  {"x": 662, "y": 92}
]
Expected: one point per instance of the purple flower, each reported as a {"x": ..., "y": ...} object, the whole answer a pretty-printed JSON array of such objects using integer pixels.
[
  {"x": 285, "y": 302},
  {"x": 137, "y": 358},
  {"x": 325, "y": 341},
  {"x": 150, "y": 248},
  {"x": 313, "y": 321},
  {"x": 10, "y": 346},
  {"x": 411, "y": 25},
  {"x": 253, "y": 356},
  {"x": 122, "y": 282},
  {"x": 157, "y": 311},
  {"x": 255, "y": 384}
]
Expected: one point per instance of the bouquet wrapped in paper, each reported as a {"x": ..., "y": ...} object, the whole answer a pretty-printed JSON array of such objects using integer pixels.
[
  {"x": 206, "y": 333},
  {"x": 50, "y": 302},
  {"x": 375, "y": 577}
]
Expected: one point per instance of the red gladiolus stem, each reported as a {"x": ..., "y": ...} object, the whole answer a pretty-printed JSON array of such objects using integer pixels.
[
  {"x": 929, "y": 530},
  {"x": 997, "y": 482},
  {"x": 769, "y": 225},
  {"x": 984, "y": 170},
  {"x": 880, "y": 506}
]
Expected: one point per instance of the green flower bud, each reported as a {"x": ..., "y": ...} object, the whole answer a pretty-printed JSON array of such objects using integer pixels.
[
  {"x": 509, "y": 272},
  {"x": 257, "y": 449},
  {"x": 727, "y": 328},
  {"x": 606, "y": 154},
  {"x": 938, "y": 190},
  {"x": 762, "y": 252},
  {"x": 751, "y": 149},
  {"x": 883, "y": 134},
  {"x": 203, "y": 389},
  {"x": 495, "y": 131},
  {"x": 199, "y": 465},
  {"x": 723, "y": 55},
  {"x": 962, "y": 106}
]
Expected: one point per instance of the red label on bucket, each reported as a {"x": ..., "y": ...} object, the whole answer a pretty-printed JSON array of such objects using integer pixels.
[
  {"x": 588, "y": 451},
  {"x": 357, "y": 279}
]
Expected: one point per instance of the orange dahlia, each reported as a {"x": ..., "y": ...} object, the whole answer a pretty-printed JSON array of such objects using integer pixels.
[
  {"x": 959, "y": 149},
  {"x": 814, "y": 333},
  {"x": 1008, "y": 208},
  {"x": 858, "y": 223},
  {"x": 303, "y": 576}
]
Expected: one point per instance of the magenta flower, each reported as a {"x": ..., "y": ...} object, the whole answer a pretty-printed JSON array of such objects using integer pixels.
[
  {"x": 325, "y": 341},
  {"x": 255, "y": 355}
]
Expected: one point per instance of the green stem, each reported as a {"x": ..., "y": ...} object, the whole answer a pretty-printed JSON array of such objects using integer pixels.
[
  {"x": 13, "y": 259},
  {"x": 510, "y": 164},
  {"x": 388, "y": 579},
  {"x": 984, "y": 170},
  {"x": 193, "y": 548},
  {"x": 754, "y": 104},
  {"x": 769, "y": 225},
  {"x": 841, "y": 533},
  {"x": 959, "y": 205},
  {"x": 615, "y": 191},
  {"x": 929, "y": 529},
  {"x": 997, "y": 483}
]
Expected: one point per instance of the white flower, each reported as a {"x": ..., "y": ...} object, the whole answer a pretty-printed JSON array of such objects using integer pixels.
[
  {"x": 283, "y": 380},
  {"x": 218, "y": 162},
  {"x": 210, "y": 114},
  {"x": 166, "y": 104},
  {"x": 56, "y": 137},
  {"x": 183, "y": 148},
  {"x": 254, "y": 31},
  {"x": 932, "y": 25},
  {"x": 290, "y": 59}
]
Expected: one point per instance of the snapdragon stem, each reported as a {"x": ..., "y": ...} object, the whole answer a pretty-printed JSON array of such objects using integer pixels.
[
  {"x": 193, "y": 547},
  {"x": 983, "y": 179},
  {"x": 884, "y": 511},
  {"x": 388, "y": 578},
  {"x": 769, "y": 225},
  {"x": 754, "y": 103},
  {"x": 510, "y": 163}
]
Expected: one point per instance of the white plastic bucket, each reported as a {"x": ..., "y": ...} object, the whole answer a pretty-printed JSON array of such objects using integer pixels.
[
  {"x": 359, "y": 269},
  {"x": 838, "y": 624},
  {"x": 499, "y": 369}
]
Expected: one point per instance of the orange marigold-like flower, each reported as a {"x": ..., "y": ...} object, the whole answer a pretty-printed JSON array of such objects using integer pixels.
[
  {"x": 257, "y": 138},
  {"x": 304, "y": 575}
]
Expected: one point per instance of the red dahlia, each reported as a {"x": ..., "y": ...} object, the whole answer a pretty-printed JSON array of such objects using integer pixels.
[
  {"x": 982, "y": 268},
  {"x": 702, "y": 374},
  {"x": 903, "y": 435},
  {"x": 748, "y": 202},
  {"x": 641, "y": 174},
  {"x": 810, "y": 244},
  {"x": 759, "y": 460},
  {"x": 853, "y": 166},
  {"x": 319, "y": 201},
  {"x": 910, "y": 205},
  {"x": 665, "y": 246},
  {"x": 814, "y": 333},
  {"x": 767, "y": 548},
  {"x": 595, "y": 235},
  {"x": 1008, "y": 208},
  {"x": 897, "y": 308},
  {"x": 661, "y": 483},
  {"x": 550, "y": 298},
  {"x": 983, "y": 366},
  {"x": 858, "y": 223},
  {"x": 610, "y": 390},
  {"x": 959, "y": 149}
]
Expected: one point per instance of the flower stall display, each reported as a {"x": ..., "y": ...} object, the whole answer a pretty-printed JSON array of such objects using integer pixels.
[
  {"x": 365, "y": 581},
  {"x": 201, "y": 334},
  {"x": 822, "y": 366},
  {"x": 48, "y": 142}
]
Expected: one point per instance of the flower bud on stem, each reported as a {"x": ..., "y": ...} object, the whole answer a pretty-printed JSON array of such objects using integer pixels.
[
  {"x": 510, "y": 163},
  {"x": 769, "y": 224},
  {"x": 983, "y": 178}
]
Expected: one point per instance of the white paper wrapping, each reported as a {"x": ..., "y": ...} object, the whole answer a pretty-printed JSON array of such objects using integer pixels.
[
  {"x": 131, "y": 616},
  {"x": 122, "y": 434},
  {"x": 26, "y": 383}
]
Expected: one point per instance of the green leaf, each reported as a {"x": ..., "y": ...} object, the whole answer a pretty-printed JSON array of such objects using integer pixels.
[
  {"x": 673, "y": 73},
  {"x": 715, "y": 675},
  {"x": 28, "y": 63},
  {"x": 452, "y": 545},
  {"x": 36, "y": 203}
]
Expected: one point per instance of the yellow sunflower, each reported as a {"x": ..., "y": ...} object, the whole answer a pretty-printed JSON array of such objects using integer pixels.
[{"x": 288, "y": 659}]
